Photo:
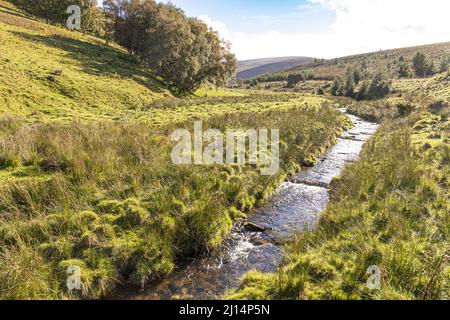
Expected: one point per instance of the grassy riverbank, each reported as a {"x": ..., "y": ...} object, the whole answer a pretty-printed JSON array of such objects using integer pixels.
[
  {"x": 106, "y": 197},
  {"x": 390, "y": 210}
]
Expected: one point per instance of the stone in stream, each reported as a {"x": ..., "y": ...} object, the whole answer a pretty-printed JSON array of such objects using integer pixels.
[{"x": 252, "y": 227}]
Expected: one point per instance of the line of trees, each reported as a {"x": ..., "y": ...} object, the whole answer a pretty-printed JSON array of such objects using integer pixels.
[
  {"x": 355, "y": 86},
  {"x": 421, "y": 66},
  {"x": 184, "y": 51}
]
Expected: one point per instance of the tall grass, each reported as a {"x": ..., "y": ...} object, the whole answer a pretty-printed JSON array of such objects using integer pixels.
[
  {"x": 391, "y": 210},
  {"x": 106, "y": 197}
]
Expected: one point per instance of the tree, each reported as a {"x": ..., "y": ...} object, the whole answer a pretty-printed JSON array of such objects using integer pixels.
[
  {"x": 349, "y": 86},
  {"x": 94, "y": 22},
  {"x": 293, "y": 79},
  {"x": 444, "y": 65},
  {"x": 378, "y": 88},
  {"x": 184, "y": 51},
  {"x": 361, "y": 92},
  {"x": 431, "y": 69},
  {"x": 357, "y": 75},
  {"x": 337, "y": 87},
  {"x": 422, "y": 65}
]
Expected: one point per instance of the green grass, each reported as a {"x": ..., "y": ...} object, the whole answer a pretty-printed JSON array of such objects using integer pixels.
[
  {"x": 391, "y": 209},
  {"x": 50, "y": 73},
  {"x": 106, "y": 197},
  {"x": 91, "y": 81},
  {"x": 86, "y": 177}
]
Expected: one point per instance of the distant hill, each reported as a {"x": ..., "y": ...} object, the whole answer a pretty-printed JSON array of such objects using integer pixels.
[{"x": 251, "y": 68}]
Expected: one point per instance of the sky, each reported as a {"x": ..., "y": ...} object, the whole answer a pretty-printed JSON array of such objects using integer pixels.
[{"x": 321, "y": 28}]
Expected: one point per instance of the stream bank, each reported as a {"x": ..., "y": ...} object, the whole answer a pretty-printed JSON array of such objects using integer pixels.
[{"x": 295, "y": 207}]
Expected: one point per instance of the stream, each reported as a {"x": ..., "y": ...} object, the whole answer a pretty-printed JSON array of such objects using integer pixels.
[{"x": 295, "y": 207}]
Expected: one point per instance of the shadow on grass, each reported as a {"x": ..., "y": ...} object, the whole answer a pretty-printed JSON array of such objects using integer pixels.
[
  {"x": 15, "y": 12},
  {"x": 98, "y": 59}
]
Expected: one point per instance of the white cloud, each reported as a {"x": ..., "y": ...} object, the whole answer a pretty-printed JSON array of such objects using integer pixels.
[
  {"x": 360, "y": 26},
  {"x": 218, "y": 26},
  {"x": 307, "y": 6}
]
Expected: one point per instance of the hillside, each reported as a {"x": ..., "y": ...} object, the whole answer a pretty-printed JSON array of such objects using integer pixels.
[
  {"x": 387, "y": 61},
  {"x": 248, "y": 69},
  {"x": 49, "y": 72}
]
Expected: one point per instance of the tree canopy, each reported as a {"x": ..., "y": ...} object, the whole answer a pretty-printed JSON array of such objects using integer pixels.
[{"x": 184, "y": 51}]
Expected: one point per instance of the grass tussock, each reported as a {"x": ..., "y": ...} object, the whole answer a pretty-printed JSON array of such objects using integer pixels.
[
  {"x": 105, "y": 197},
  {"x": 391, "y": 210}
]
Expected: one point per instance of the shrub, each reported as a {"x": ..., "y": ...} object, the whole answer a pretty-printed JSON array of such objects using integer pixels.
[
  {"x": 293, "y": 79},
  {"x": 444, "y": 65},
  {"x": 361, "y": 90},
  {"x": 337, "y": 87},
  {"x": 405, "y": 108},
  {"x": 404, "y": 70},
  {"x": 379, "y": 87}
]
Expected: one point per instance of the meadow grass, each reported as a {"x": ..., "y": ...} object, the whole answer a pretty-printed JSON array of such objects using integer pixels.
[
  {"x": 51, "y": 74},
  {"x": 86, "y": 177},
  {"x": 107, "y": 198}
]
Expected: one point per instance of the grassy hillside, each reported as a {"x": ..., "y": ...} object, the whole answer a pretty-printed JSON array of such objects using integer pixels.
[
  {"x": 387, "y": 61},
  {"x": 65, "y": 75},
  {"x": 51, "y": 73},
  {"x": 437, "y": 87},
  {"x": 248, "y": 69}
]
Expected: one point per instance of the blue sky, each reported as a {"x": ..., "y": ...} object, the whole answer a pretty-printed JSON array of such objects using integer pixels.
[
  {"x": 321, "y": 28},
  {"x": 260, "y": 16}
]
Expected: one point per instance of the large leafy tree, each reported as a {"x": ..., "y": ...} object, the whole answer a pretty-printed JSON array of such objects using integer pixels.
[{"x": 184, "y": 51}]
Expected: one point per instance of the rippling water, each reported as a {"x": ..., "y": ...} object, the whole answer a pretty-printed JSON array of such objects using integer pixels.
[{"x": 296, "y": 206}]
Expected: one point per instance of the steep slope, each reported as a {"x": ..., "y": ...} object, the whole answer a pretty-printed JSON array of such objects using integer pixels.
[
  {"x": 49, "y": 72},
  {"x": 251, "y": 68}
]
